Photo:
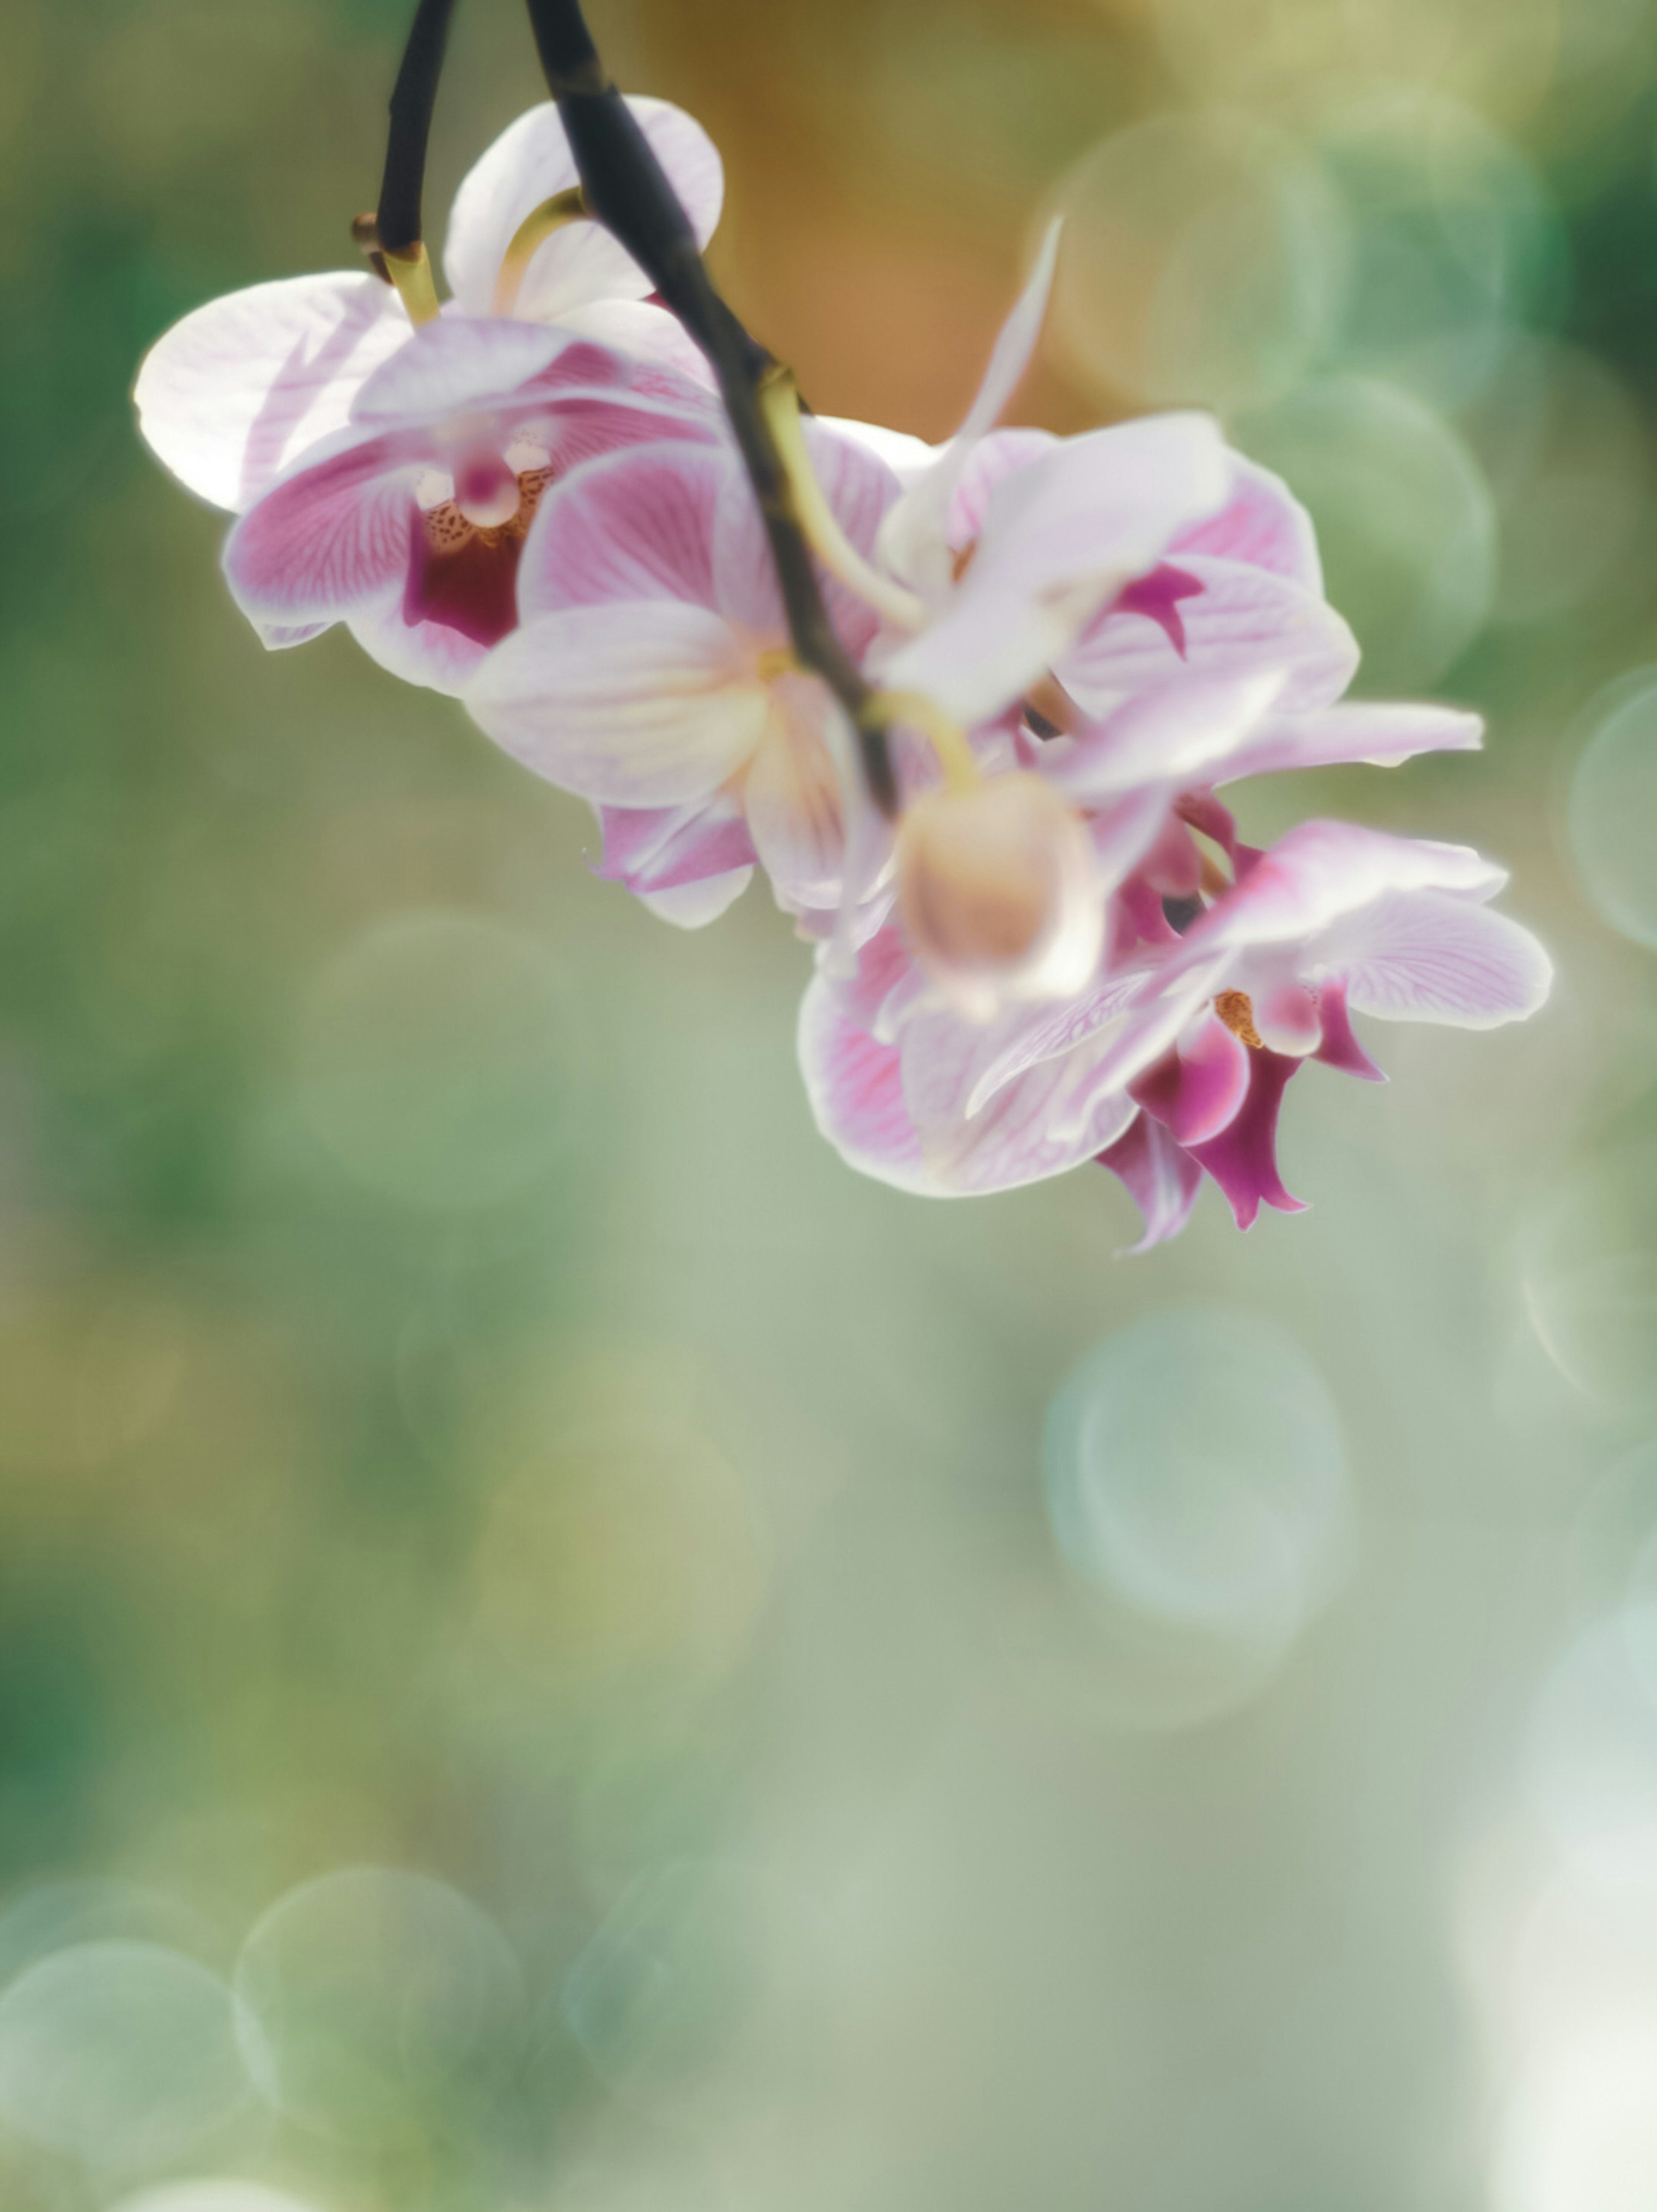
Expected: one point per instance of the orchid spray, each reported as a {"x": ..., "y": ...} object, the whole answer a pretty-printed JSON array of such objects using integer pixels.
[{"x": 969, "y": 708}]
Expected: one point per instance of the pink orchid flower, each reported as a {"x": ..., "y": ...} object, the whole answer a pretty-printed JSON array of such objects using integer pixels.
[
  {"x": 230, "y": 397},
  {"x": 652, "y": 676},
  {"x": 1007, "y": 546},
  {"x": 1219, "y": 659},
  {"x": 386, "y": 475},
  {"x": 408, "y": 525},
  {"x": 1156, "y": 593},
  {"x": 1172, "y": 1064},
  {"x": 1112, "y": 562}
]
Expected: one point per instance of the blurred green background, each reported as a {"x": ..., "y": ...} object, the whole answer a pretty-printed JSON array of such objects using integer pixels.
[{"x": 558, "y": 1651}]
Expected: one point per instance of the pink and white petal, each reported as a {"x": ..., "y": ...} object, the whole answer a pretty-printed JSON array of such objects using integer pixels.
[
  {"x": 1060, "y": 537},
  {"x": 854, "y": 1086},
  {"x": 744, "y": 577},
  {"x": 1015, "y": 344},
  {"x": 1205, "y": 813},
  {"x": 643, "y": 332},
  {"x": 231, "y": 395},
  {"x": 1243, "y": 1158},
  {"x": 1172, "y": 868},
  {"x": 904, "y": 454},
  {"x": 1286, "y": 1015},
  {"x": 330, "y": 538},
  {"x": 840, "y": 931},
  {"x": 1159, "y": 1176},
  {"x": 1321, "y": 870},
  {"x": 1106, "y": 503},
  {"x": 662, "y": 848},
  {"x": 279, "y": 637},
  {"x": 881, "y": 970},
  {"x": 455, "y": 364},
  {"x": 915, "y": 540},
  {"x": 1263, "y": 524},
  {"x": 1380, "y": 735},
  {"x": 429, "y": 654},
  {"x": 1242, "y": 622},
  {"x": 583, "y": 262},
  {"x": 530, "y": 162},
  {"x": 565, "y": 429},
  {"x": 634, "y": 527},
  {"x": 1172, "y": 736},
  {"x": 792, "y": 795},
  {"x": 1012, "y": 1101},
  {"x": 868, "y": 893},
  {"x": 642, "y": 705},
  {"x": 1196, "y": 1089},
  {"x": 1338, "y": 1046},
  {"x": 1423, "y": 957},
  {"x": 859, "y": 487},
  {"x": 986, "y": 1058},
  {"x": 694, "y": 905},
  {"x": 1168, "y": 991},
  {"x": 1042, "y": 1124},
  {"x": 992, "y": 459},
  {"x": 911, "y": 989},
  {"x": 1136, "y": 831}
]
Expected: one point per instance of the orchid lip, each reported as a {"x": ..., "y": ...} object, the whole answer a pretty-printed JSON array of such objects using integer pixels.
[{"x": 462, "y": 570}]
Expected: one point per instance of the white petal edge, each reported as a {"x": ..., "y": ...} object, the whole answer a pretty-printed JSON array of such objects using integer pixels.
[
  {"x": 1423, "y": 957},
  {"x": 913, "y": 538},
  {"x": 649, "y": 705},
  {"x": 530, "y": 162},
  {"x": 236, "y": 391}
]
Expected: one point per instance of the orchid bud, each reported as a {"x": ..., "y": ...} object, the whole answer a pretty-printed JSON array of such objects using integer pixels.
[{"x": 999, "y": 892}]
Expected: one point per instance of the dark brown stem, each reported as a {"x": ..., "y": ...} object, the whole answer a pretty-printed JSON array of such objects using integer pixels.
[
  {"x": 629, "y": 193},
  {"x": 413, "y": 97}
]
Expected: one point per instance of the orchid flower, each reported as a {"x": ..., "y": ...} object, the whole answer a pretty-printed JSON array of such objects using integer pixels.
[
  {"x": 230, "y": 396},
  {"x": 978, "y": 754},
  {"x": 1005, "y": 546},
  {"x": 386, "y": 473},
  {"x": 652, "y": 675},
  {"x": 1172, "y": 1063},
  {"x": 408, "y": 525},
  {"x": 1093, "y": 576},
  {"x": 1219, "y": 576}
]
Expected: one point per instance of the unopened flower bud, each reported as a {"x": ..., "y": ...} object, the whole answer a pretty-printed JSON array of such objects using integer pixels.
[{"x": 999, "y": 892}]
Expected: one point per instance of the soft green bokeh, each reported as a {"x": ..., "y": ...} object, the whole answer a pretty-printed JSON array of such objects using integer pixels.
[{"x": 491, "y": 1508}]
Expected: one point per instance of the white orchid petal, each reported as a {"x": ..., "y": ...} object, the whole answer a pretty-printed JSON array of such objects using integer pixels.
[
  {"x": 1424, "y": 957},
  {"x": 914, "y": 538},
  {"x": 531, "y": 162},
  {"x": 651, "y": 704},
  {"x": 229, "y": 397},
  {"x": 1059, "y": 538}
]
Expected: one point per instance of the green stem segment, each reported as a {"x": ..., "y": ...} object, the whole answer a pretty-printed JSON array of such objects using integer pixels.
[{"x": 627, "y": 189}]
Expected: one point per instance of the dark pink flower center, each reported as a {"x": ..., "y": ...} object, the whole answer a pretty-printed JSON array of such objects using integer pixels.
[{"x": 464, "y": 574}]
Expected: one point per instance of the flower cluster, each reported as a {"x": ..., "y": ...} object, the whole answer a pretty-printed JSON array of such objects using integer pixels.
[{"x": 1055, "y": 949}]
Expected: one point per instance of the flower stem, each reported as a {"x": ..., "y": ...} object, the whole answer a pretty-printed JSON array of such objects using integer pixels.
[
  {"x": 539, "y": 223},
  {"x": 629, "y": 193},
  {"x": 947, "y": 738},
  {"x": 413, "y": 96},
  {"x": 781, "y": 406}
]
